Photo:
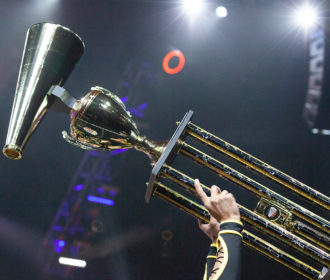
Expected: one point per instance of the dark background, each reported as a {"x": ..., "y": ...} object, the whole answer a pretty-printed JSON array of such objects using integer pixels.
[{"x": 245, "y": 78}]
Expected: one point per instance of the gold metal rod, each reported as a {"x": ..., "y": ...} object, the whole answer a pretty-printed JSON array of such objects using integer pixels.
[
  {"x": 258, "y": 166},
  {"x": 278, "y": 255},
  {"x": 249, "y": 239},
  {"x": 238, "y": 178},
  {"x": 308, "y": 237},
  {"x": 260, "y": 223}
]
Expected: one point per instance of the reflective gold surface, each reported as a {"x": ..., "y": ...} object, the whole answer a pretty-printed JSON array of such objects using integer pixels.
[
  {"x": 259, "y": 166},
  {"x": 100, "y": 120},
  {"x": 240, "y": 179},
  {"x": 50, "y": 53}
]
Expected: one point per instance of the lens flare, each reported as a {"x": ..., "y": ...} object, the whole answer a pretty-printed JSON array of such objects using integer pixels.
[
  {"x": 306, "y": 16},
  {"x": 193, "y": 7}
]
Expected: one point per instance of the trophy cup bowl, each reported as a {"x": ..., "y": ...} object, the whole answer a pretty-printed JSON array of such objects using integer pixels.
[{"x": 100, "y": 121}]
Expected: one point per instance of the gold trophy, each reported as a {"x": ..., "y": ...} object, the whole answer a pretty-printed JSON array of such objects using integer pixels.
[{"x": 100, "y": 121}]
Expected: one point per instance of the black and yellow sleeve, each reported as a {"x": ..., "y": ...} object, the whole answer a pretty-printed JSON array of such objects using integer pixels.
[{"x": 224, "y": 258}]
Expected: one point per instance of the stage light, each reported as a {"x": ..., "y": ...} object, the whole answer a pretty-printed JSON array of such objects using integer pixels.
[
  {"x": 193, "y": 7},
  {"x": 221, "y": 12},
  {"x": 100, "y": 190},
  {"x": 166, "y": 61},
  {"x": 78, "y": 187},
  {"x": 72, "y": 262},
  {"x": 306, "y": 16},
  {"x": 100, "y": 200},
  {"x": 59, "y": 244},
  {"x": 321, "y": 131}
]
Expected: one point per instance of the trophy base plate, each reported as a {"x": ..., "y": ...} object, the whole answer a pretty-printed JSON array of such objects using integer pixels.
[{"x": 169, "y": 154}]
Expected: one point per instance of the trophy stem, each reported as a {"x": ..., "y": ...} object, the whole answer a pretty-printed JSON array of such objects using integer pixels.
[{"x": 152, "y": 149}]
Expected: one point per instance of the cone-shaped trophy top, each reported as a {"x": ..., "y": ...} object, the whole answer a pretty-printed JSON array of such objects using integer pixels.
[{"x": 50, "y": 53}]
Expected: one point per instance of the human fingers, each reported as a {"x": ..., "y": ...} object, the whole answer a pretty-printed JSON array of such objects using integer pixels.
[
  {"x": 201, "y": 224},
  {"x": 215, "y": 191},
  {"x": 223, "y": 195},
  {"x": 229, "y": 196},
  {"x": 200, "y": 192}
]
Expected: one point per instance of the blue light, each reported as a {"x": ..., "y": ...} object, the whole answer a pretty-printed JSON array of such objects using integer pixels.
[
  {"x": 119, "y": 151},
  {"x": 94, "y": 153},
  {"x": 112, "y": 192},
  {"x": 100, "y": 200},
  {"x": 124, "y": 99},
  {"x": 139, "y": 110},
  {"x": 100, "y": 190},
  {"x": 78, "y": 187},
  {"x": 59, "y": 244}
]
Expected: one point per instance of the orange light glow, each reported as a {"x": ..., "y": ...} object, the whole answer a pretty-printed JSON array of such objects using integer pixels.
[{"x": 167, "y": 59}]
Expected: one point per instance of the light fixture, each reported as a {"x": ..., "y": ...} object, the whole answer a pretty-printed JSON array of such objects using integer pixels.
[
  {"x": 72, "y": 262},
  {"x": 193, "y": 7},
  {"x": 221, "y": 12},
  {"x": 306, "y": 16}
]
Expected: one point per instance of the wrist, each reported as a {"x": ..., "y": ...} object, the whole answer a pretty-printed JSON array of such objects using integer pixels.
[
  {"x": 231, "y": 218},
  {"x": 214, "y": 239}
]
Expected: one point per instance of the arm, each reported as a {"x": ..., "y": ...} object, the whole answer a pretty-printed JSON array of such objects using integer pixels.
[
  {"x": 228, "y": 262},
  {"x": 211, "y": 229},
  {"x": 223, "y": 261}
]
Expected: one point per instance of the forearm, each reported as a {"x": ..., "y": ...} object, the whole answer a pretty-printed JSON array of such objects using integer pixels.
[
  {"x": 210, "y": 260},
  {"x": 226, "y": 261}
]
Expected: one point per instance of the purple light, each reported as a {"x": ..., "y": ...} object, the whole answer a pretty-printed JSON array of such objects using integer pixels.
[
  {"x": 124, "y": 99},
  {"x": 100, "y": 190},
  {"x": 112, "y": 192},
  {"x": 100, "y": 200},
  {"x": 119, "y": 151},
  {"x": 57, "y": 228},
  {"x": 139, "y": 110},
  {"x": 59, "y": 244},
  {"x": 78, "y": 187}
]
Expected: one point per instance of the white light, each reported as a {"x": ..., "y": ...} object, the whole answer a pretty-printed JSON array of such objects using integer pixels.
[
  {"x": 325, "y": 131},
  {"x": 221, "y": 12},
  {"x": 193, "y": 7},
  {"x": 321, "y": 131},
  {"x": 72, "y": 262},
  {"x": 306, "y": 16}
]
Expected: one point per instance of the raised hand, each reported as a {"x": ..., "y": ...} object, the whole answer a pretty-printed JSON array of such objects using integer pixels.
[{"x": 221, "y": 205}]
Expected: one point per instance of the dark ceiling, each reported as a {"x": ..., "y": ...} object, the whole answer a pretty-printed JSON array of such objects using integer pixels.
[{"x": 245, "y": 79}]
